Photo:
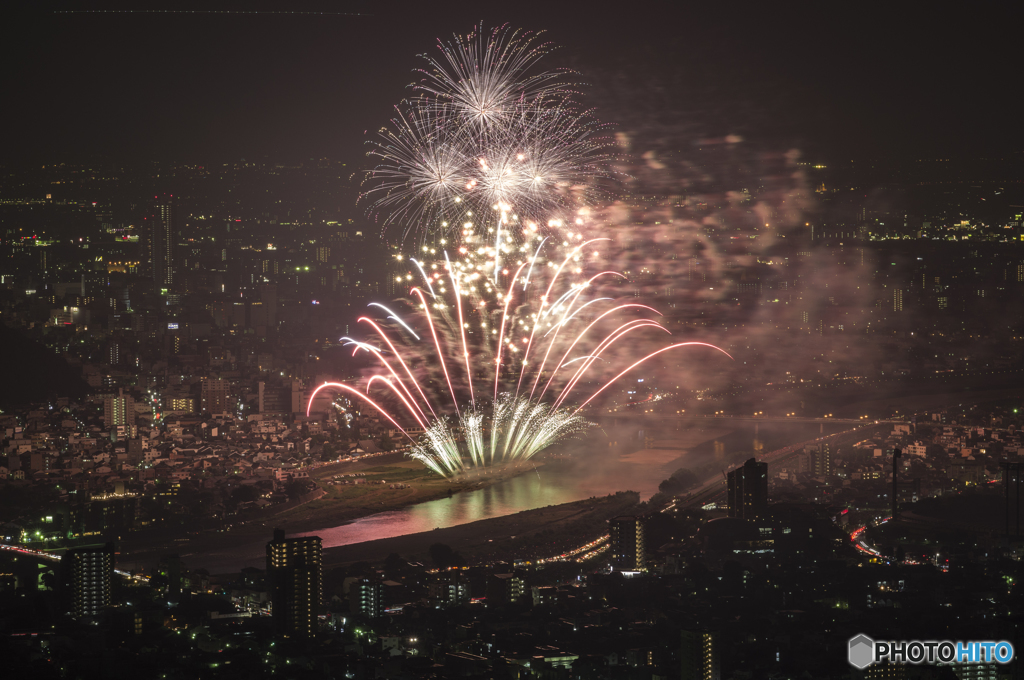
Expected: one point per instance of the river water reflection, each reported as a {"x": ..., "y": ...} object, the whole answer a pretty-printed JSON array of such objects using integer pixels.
[
  {"x": 593, "y": 476},
  {"x": 525, "y": 492},
  {"x": 596, "y": 473}
]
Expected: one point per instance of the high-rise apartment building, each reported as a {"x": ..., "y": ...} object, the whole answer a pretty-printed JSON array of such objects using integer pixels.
[
  {"x": 700, "y": 656},
  {"x": 448, "y": 588},
  {"x": 366, "y": 597},
  {"x": 748, "y": 490},
  {"x": 819, "y": 460},
  {"x": 119, "y": 410},
  {"x": 161, "y": 239},
  {"x": 627, "y": 543},
  {"x": 115, "y": 353},
  {"x": 293, "y": 575},
  {"x": 89, "y": 574},
  {"x": 505, "y": 588},
  {"x": 214, "y": 396}
]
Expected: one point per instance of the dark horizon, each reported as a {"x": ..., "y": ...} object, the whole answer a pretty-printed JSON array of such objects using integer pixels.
[{"x": 147, "y": 85}]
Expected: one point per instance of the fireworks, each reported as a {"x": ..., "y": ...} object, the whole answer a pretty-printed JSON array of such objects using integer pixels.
[
  {"x": 486, "y": 80},
  {"x": 496, "y": 345},
  {"x": 518, "y": 429},
  {"x": 483, "y": 134},
  {"x": 494, "y": 166}
]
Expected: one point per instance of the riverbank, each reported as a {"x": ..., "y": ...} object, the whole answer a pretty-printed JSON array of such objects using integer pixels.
[
  {"x": 389, "y": 497},
  {"x": 354, "y": 492},
  {"x": 366, "y": 487},
  {"x": 530, "y": 534}
]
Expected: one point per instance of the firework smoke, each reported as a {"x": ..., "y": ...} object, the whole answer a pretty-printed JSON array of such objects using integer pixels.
[{"x": 722, "y": 231}]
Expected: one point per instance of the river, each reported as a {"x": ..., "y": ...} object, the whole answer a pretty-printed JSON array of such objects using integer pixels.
[
  {"x": 595, "y": 475},
  {"x": 592, "y": 473}
]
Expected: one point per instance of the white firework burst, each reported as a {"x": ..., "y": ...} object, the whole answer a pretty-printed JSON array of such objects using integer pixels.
[
  {"x": 486, "y": 80},
  {"x": 483, "y": 136}
]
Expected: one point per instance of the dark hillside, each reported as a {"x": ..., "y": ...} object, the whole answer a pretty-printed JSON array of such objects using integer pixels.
[{"x": 29, "y": 372}]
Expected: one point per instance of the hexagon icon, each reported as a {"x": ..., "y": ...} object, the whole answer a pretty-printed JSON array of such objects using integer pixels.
[{"x": 862, "y": 651}]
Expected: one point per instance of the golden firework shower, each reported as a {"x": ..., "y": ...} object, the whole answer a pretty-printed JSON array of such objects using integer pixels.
[{"x": 495, "y": 345}]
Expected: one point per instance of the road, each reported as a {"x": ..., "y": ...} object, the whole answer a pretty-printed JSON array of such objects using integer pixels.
[{"x": 52, "y": 557}]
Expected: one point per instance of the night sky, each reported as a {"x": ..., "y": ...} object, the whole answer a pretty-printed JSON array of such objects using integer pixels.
[{"x": 834, "y": 79}]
